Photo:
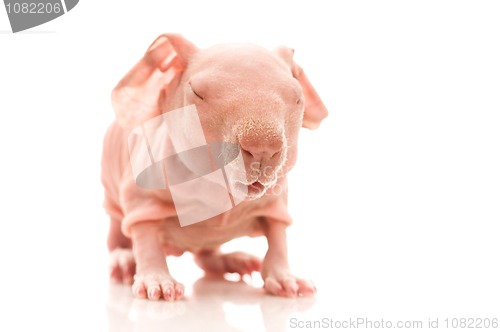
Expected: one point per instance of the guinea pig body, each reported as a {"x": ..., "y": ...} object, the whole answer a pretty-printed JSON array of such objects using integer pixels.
[{"x": 245, "y": 97}]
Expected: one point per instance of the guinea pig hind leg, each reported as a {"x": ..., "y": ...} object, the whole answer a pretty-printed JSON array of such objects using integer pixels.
[
  {"x": 213, "y": 261},
  {"x": 122, "y": 265},
  {"x": 121, "y": 258}
]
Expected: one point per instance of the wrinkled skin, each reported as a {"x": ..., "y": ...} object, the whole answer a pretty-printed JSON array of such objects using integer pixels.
[{"x": 244, "y": 94}]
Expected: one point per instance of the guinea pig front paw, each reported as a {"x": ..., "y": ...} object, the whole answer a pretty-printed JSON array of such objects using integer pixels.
[
  {"x": 122, "y": 265},
  {"x": 281, "y": 282},
  {"x": 153, "y": 286}
]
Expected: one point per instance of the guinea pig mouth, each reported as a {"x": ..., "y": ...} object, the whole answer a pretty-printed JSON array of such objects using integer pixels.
[
  {"x": 252, "y": 190},
  {"x": 256, "y": 188}
]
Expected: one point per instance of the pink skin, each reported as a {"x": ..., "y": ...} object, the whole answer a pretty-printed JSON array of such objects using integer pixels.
[{"x": 244, "y": 94}]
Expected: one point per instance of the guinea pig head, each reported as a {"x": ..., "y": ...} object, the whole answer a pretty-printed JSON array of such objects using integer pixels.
[{"x": 247, "y": 96}]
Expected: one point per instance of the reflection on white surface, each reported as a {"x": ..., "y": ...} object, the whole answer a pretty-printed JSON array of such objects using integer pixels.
[{"x": 215, "y": 304}]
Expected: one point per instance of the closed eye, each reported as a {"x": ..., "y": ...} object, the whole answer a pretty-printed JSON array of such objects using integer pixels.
[{"x": 196, "y": 94}]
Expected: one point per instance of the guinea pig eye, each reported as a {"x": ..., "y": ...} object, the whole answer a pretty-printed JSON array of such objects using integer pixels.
[
  {"x": 299, "y": 101},
  {"x": 196, "y": 94}
]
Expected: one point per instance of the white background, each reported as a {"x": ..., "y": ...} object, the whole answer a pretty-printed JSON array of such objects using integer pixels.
[{"x": 395, "y": 198}]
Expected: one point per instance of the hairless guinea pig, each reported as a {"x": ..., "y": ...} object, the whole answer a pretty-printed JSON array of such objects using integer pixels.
[{"x": 244, "y": 95}]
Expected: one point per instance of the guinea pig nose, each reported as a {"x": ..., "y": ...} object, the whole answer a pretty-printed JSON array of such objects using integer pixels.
[
  {"x": 259, "y": 155},
  {"x": 258, "y": 150}
]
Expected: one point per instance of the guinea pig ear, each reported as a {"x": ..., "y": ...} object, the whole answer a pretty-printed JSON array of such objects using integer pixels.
[
  {"x": 137, "y": 96},
  {"x": 314, "y": 111}
]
